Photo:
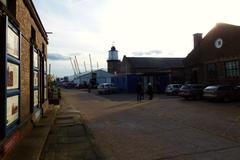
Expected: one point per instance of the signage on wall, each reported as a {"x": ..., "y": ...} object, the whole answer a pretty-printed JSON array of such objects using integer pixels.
[
  {"x": 12, "y": 76},
  {"x": 12, "y": 109},
  {"x": 35, "y": 97},
  {"x": 45, "y": 93},
  {"x": 35, "y": 77},
  {"x": 12, "y": 42},
  {"x": 35, "y": 59}
]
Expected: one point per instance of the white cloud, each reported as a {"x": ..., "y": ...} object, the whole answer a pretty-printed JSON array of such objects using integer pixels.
[{"x": 90, "y": 26}]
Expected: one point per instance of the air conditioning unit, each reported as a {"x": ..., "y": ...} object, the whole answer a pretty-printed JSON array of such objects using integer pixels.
[{"x": 4, "y": 2}]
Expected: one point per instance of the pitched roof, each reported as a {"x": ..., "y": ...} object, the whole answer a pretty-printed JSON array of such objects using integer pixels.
[
  {"x": 230, "y": 34},
  {"x": 152, "y": 62}
]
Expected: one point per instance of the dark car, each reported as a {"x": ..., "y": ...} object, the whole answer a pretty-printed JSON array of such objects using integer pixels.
[
  {"x": 191, "y": 91},
  {"x": 222, "y": 92}
]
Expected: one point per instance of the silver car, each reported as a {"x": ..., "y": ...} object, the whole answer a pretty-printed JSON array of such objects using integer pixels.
[
  {"x": 107, "y": 88},
  {"x": 172, "y": 89}
]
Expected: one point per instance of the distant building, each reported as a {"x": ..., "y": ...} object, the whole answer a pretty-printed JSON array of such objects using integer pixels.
[
  {"x": 158, "y": 71},
  {"x": 23, "y": 71},
  {"x": 98, "y": 76},
  {"x": 216, "y": 57}
]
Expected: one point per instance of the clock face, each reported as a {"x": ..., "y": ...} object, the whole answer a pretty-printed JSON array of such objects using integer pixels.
[{"x": 218, "y": 43}]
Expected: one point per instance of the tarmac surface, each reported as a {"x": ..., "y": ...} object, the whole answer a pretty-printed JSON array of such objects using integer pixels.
[
  {"x": 89, "y": 126},
  {"x": 163, "y": 128}
]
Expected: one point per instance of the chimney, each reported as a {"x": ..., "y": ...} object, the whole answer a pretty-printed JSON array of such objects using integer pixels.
[{"x": 197, "y": 38}]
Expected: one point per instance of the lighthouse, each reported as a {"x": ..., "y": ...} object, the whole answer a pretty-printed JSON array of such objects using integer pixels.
[{"x": 113, "y": 61}]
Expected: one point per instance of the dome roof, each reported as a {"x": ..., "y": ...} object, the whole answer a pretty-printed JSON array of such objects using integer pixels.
[{"x": 113, "y": 48}]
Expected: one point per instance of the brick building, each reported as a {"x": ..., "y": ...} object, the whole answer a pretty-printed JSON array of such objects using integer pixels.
[
  {"x": 159, "y": 71},
  {"x": 23, "y": 70},
  {"x": 216, "y": 57}
]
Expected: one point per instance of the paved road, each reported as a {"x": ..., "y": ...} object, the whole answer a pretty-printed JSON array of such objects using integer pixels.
[{"x": 164, "y": 128}]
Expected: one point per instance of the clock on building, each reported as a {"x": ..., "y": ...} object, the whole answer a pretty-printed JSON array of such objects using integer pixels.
[{"x": 218, "y": 43}]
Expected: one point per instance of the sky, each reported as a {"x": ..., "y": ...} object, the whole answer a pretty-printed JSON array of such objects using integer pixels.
[{"x": 146, "y": 28}]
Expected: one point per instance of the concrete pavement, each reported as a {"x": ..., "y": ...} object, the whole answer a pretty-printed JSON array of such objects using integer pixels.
[
  {"x": 59, "y": 135},
  {"x": 69, "y": 138},
  {"x": 31, "y": 146}
]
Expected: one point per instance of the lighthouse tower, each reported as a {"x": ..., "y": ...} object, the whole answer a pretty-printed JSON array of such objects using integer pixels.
[{"x": 113, "y": 61}]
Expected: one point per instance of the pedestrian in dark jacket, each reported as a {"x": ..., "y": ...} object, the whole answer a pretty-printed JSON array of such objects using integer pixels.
[
  {"x": 139, "y": 91},
  {"x": 150, "y": 91}
]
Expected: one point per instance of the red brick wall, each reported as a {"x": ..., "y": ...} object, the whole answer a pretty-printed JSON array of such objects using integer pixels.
[{"x": 26, "y": 22}]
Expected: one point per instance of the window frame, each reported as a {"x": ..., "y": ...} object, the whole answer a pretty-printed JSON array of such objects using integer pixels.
[
  {"x": 33, "y": 88},
  {"x": 232, "y": 68},
  {"x": 212, "y": 71},
  {"x": 9, "y": 93}
]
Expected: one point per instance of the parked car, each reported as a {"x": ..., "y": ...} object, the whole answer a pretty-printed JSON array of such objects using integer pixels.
[
  {"x": 191, "y": 91},
  {"x": 222, "y": 92},
  {"x": 107, "y": 88},
  {"x": 172, "y": 89}
]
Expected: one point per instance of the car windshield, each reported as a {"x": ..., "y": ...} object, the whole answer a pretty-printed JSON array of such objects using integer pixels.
[
  {"x": 176, "y": 86},
  {"x": 211, "y": 87},
  {"x": 185, "y": 87}
]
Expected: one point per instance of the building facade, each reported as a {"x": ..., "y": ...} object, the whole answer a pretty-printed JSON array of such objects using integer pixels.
[
  {"x": 23, "y": 70},
  {"x": 99, "y": 76},
  {"x": 157, "y": 71},
  {"x": 215, "y": 59}
]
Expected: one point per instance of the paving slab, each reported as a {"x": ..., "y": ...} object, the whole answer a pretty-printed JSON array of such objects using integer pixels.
[
  {"x": 68, "y": 138},
  {"x": 30, "y": 147}
]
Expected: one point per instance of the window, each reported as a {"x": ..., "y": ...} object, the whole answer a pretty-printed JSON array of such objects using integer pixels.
[
  {"x": 33, "y": 36},
  {"x": 45, "y": 79},
  {"x": 211, "y": 71},
  {"x": 35, "y": 78},
  {"x": 12, "y": 42},
  {"x": 44, "y": 73},
  {"x": 12, "y": 79},
  {"x": 211, "y": 67},
  {"x": 232, "y": 69}
]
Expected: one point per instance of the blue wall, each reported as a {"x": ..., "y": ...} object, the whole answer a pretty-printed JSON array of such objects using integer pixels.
[{"x": 126, "y": 83}]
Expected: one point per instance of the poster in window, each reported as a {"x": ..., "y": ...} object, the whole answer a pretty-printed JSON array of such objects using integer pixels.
[
  {"x": 45, "y": 93},
  {"x": 35, "y": 78},
  {"x": 12, "y": 43},
  {"x": 12, "y": 76},
  {"x": 12, "y": 109},
  {"x": 45, "y": 80},
  {"x": 45, "y": 66},
  {"x": 35, "y": 59},
  {"x": 35, "y": 97}
]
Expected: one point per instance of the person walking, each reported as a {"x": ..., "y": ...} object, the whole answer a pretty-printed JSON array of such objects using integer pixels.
[
  {"x": 150, "y": 91},
  {"x": 139, "y": 91}
]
